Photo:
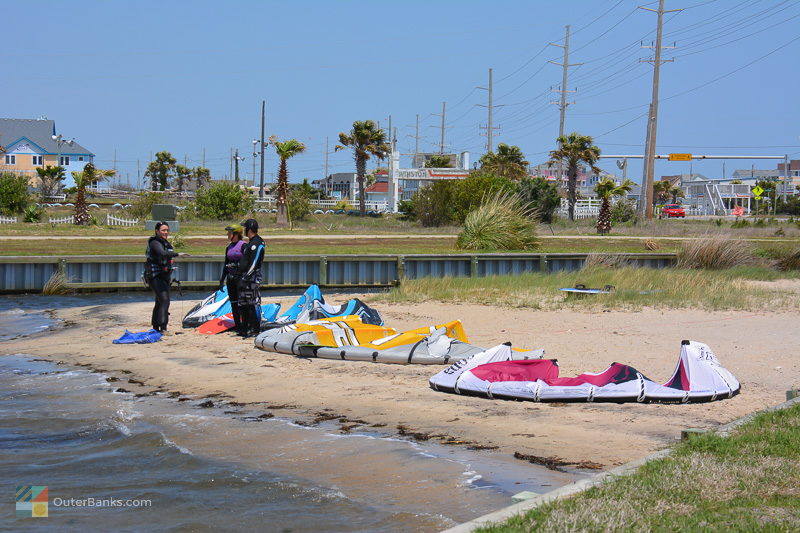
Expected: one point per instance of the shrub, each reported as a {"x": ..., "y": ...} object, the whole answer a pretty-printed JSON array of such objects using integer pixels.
[
  {"x": 622, "y": 211},
  {"x": 407, "y": 210},
  {"x": 177, "y": 241},
  {"x": 32, "y": 213},
  {"x": 222, "y": 201},
  {"x": 298, "y": 203},
  {"x": 500, "y": 223},
  {"x": 143, "y": 205},
  {"x": 342, "y": 204},
  {"x": 740, "y": 223},
  {"x": 714, "y": 253},
  {"x": 541, "y": 196},
  {"x": 469, "y": 193},
  {"x": 433, "y": 204},
  {"x": 651, "y": 244},
  {"x": 788, "y": 260},
  {"x": 14, "y": 197}
]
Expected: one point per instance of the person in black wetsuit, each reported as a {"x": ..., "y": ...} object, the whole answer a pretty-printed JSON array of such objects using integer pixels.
[
  {"x": 250, "y": 280},
  {"x": 230, "y": 271},
  {"x": 158, "y": 273}
]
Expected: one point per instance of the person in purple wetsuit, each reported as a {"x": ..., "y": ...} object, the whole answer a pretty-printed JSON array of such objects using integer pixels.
[{"x": 230, "y": 271}]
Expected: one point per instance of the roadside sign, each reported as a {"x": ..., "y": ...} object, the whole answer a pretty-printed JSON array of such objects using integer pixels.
[
  {"x": 757, "y": 190},
  {"x": 757, "y": 197},
  {"x": 680, "y": 157}
]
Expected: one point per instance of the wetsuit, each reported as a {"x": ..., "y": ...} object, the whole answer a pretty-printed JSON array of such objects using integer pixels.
[
  {"x": 230, "y": 276},
  {"x": 159, "y": 265},
  {"x": 249, "y": 284}
]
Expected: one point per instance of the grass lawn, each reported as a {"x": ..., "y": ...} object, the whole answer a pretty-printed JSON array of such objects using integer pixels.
[
  {"x": 735, "y": 288},
  {"x": 747, "y": 481}
]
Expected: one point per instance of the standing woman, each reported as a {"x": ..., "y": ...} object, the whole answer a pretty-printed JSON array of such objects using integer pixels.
[
  {"x": 230, "y": 271},
  {"x": 158, "y": 273}
]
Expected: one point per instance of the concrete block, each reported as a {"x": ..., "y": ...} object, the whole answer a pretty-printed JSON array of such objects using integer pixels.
[{"x": 522, "y": 496}]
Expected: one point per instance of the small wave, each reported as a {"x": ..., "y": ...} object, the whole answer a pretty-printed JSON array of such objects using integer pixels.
[{"x": 179, "y": 447}]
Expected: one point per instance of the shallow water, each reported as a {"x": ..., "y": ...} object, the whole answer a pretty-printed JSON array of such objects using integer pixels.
[{"x": 210, "y": 470}]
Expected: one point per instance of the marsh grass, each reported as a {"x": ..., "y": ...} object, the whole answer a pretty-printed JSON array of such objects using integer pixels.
[
  {"x": 744, "y": 482},
  {"x": 715, "y": 253},
  {"x": 501, "y": 222},
  {"x": 636, "y": 288},
  {"x": 57, "y": 284}
]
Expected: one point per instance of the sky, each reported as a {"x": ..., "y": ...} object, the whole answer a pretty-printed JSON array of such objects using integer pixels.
[{"x": 128, "y": 79}]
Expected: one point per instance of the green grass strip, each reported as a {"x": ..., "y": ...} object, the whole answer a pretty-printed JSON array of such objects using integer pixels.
[{"x": 748, "y": 481}]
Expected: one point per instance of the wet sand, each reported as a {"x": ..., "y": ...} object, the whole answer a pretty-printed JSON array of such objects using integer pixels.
[{"x": 761, "y": 349}]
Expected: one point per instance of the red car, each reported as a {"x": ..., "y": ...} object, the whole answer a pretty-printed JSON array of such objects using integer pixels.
[{"x": 672, "y": 210}]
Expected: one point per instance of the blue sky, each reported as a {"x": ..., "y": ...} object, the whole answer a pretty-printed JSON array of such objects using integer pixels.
[{"x": 140, "y": 77}]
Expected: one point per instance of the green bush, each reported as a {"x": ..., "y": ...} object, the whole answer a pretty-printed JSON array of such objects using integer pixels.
[
  {"x": 222, "y": 201},
  {"x": 623, "y": 211},
  {"x": 32, "y": 213},
  {"x": 298, "y": 203},
  {"x": 143, "y": 205},
  {"x": 14, "y": 197},
  {"x": 500, "y": 223},
  {"x": 740, "y": 223},
  {"x": 541, "y": 196},
  {"x": 469, "y": 193},
  {"x": 433, "y": 204}
]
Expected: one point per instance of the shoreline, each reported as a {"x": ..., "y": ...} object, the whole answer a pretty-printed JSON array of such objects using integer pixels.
[{"x": 396, "y": 399}]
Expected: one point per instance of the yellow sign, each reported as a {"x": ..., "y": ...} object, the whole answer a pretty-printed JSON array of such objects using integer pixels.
[
  {"x": 680, "y": 157},
  {"x": 757, "y": 197},
  {"x": 757, "y": 190}
]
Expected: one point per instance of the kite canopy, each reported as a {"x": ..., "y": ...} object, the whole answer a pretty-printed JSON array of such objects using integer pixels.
[
  {"x": 213, "y": 306},
  {"x": 698, "y": 377},
  {"x": 348, "y": 338}
]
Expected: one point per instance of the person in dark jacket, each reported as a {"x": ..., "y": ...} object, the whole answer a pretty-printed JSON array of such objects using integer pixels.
[
  {"x": 230, "y": 271},
  {"x": 250, "y": 280},
  {"x": 158, "y": 273}
]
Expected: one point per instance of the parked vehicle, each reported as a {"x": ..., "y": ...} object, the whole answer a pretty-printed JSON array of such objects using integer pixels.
[{"x": 672, "y": 210}]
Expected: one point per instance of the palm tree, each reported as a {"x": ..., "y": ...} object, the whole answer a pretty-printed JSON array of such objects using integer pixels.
[
  {"x": 366, "y": 139},
  {"x": 676, "y": 192},
  {"x": 438, "y": 161},
  {"x": 573, "y": 150},
  {"x": 661, "y": 192},
  {"x": 90, "y": 174},
  {"x": 606, "y": 189},
  {"x": 285, "y": 150},
  {"x": 508, "y": 162}
]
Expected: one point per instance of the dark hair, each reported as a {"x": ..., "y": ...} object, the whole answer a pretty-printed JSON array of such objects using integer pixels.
[
  {"x": 161, "y": 223},
  {"x": 250, "y": 224}
]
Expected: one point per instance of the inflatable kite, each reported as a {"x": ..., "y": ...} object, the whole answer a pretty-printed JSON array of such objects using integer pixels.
[
  {"x": 428, "y": 345},
  {"x": 336, "y": 331},
  {"x": 311, "y": 306},
  {"x": 699, "y": 377},
  {"x": 214, "y": 305}
]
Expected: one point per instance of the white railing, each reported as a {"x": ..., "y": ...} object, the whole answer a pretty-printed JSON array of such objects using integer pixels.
[
  {"x": 8, "y": 220},
  {"x": 111, "y": 220},
  {"x": 59, "y": 197},
  {"x": 584, "y": 208},
  {"x": 63, "y": 220}
]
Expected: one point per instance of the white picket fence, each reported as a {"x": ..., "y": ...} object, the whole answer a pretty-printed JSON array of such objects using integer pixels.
[
  {"x": 111, "y": 220},
  {"x": 63, "y": 220},
  {"x": 8, "y": 220}
]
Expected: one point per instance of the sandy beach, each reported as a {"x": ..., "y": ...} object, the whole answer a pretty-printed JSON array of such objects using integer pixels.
[{"x": 761, "y": 349}]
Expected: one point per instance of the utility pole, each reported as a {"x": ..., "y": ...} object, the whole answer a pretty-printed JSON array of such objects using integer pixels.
[
  {"x": 562, "y": 106},
  {"x": 230, "y": 174},
  {"x": 261, "y": 182},
  {"x": 139, "y": 175},
  {"x": 204, "y": 158},
  {"x": 416, "y": 137},
  {"x": 444, "y": 114},
  {"x": 326, "y": 166},
  {"x": 490, "y": 125},
  {"x": 652, "y": 122}
]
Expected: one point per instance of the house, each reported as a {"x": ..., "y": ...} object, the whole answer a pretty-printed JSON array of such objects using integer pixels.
[
  {"x": 32, "y": 143},
  {"x": 378, "y": 192}
]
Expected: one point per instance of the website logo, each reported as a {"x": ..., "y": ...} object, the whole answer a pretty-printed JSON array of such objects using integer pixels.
[{"x": 31, "y": 501}]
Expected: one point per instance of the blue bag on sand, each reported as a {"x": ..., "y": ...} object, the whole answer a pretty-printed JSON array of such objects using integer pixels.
[{"x": 144, "y": 337}]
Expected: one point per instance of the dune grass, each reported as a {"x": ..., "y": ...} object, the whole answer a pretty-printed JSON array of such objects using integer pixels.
[
  {"x": 746, "y": 481},
  {"x": 730, "y": 289}
]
